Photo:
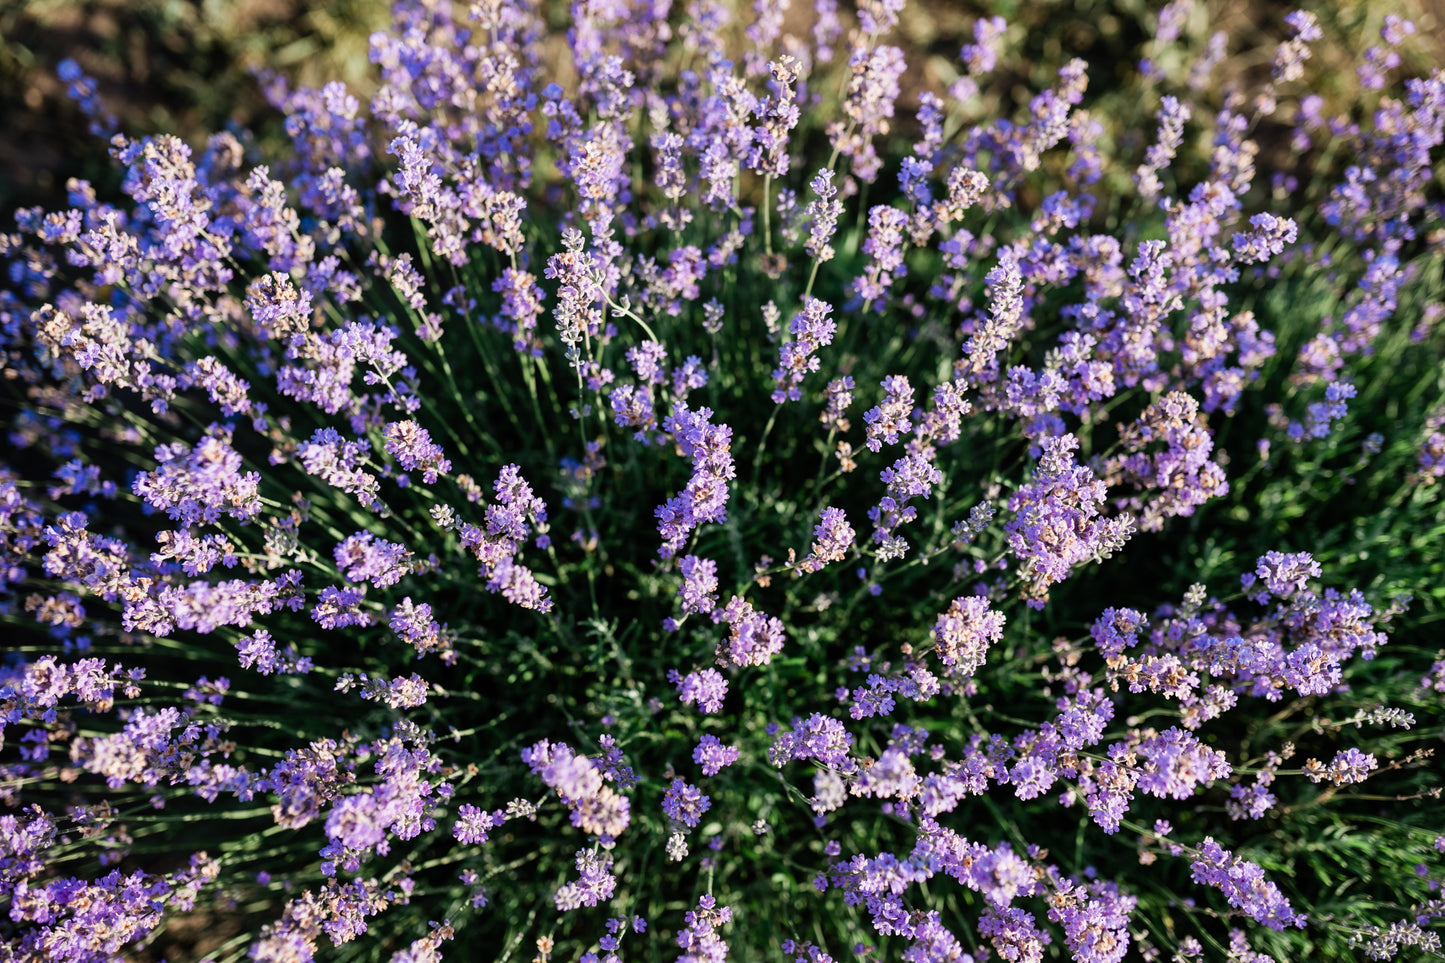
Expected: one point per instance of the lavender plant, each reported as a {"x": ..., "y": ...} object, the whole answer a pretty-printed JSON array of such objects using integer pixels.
[{"x": 696, "y": 499}]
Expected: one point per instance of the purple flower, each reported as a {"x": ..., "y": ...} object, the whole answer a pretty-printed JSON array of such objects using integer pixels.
[
  {"x": 705, "y": 497},
  {"x": 1014, "y": 933},
  {"x": 1176, "y": 762},
  {"x": 699, "y": 940},
  {"x": 779, "y": 114},
  {"x": 1059, "y": 523},
  {"x": 1173, "y": 115},
  {"x": 197, "y": 485},
  {"x": 712, "y": 755},
  {"x": 365, "y": 558},
  {"x": 411, "y": 445},
  {"x": 1283, "y": 574},
  {"x": 832, "y": 538},
  {"x": 869, "y": 104},
  {"x": 594, "y": 883},
  {"x": 1347, "y": 767},
  {"x": 413, "y": 624},
  {"x": 699, "y": 587},
  {"x": 822, "y": 213},
  {"x": 964, "y": 634},
  {"x": 820, "y": 738},
  {"x": 684, "y": 803},
  {"x": 335, "y": 461},
  {"x": 340, "y": 607},
  {"x": 705, "y": 687},
  {"x": 1266, "y": 238},
  {"x": 473, "y": 824},
  {"x": 1290, "y": 58},
  {"x": 1243, "y": 885},
  {"x": 753, "y": 638},
  {"x": 884, "y": 247},
  {"x": 811, "y": 329},
  {"x": 893, "y": 417}
]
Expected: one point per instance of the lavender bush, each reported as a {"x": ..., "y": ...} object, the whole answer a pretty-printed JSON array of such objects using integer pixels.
[{"x": 672, "y": 494}]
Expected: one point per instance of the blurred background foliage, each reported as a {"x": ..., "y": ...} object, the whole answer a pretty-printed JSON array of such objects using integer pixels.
[
  {"x": 186, "y": 67},
  {"x": 164, "y": 66}
]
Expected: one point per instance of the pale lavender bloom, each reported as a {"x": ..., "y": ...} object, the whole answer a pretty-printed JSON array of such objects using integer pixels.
[
  {"x": 981, "y": 56},
  {"x": 403, "y": 692},
  {"x": 877, "y": 17},
  {"x": 705, "y": 497},
  {"x": 892, "y": 775},
  {"x": 1289, "y": 59},
  {"x": 684, "y": 803},
  {"x": 779, "y": 114},
  {"x": 753, "y": 637},
  {"x": 699, "y": 940},
  {"x": 599, "y": 170},
  {"x": 365, "y": 558},
  {"x": 811, "y": 329},
  {"x": 197, "y": 485},
  {"x": 822, "y": 213},
  {"x": 220, "y": 383},
  {"x": 671, "y": 180},
  {"x": 964, "y": 634},
  {"x": 1180, "y": 478},
  {"x": 473, "y": 824},
  {"x": 1171, "y": 20},
  {"x": 1380, "y": 294},
  {"x": 699, "y": 587},
  {"x": 826, "y": 29},
  {"x": 574, "y": 777},
  {"x": 413, "y": 624},
  {"x": 411, "y": 445},
  {"x": 1251, "y": 802},
  {"x": 1014, "y": 933},
  {"x": 82, "y": 89},
  {"x": 197, "y": 554},
  {"x": 1349, "y": 766},
  {"x": 340, "y": 607},
  {"x": 706, "y": 688},
  {"x": 832, "y": 538},
  {"x": 74, "y": 552},
  {"x": 334, "y": 357},
  {"x": 1396, "y": 29},
  {"x": 579, "y": 296},
  {"x": 1243, "y": 885},
  {"x": 1267, "y": 238},
  {"x": 1321, "y": 415},
  {"x": 594, "y": 884},
  {"x": 521, "y": 306},
  {"x": 912, "y": 476},
  {"x": 885, "y": 248},
  {"x": 820, "y": 738},
  {"x": 712, "y": 755},
  {"x": 271, "y": 227},
  {"x": 1283, "y": 574},
  {"x": 1173, "y": 114},
  {"x": 1175, "y": 763},
  {"x": 840, "y": 397},
  {"x": 1117, "y": 629},
  {"x": 893, "y": 417},
  {"x": 1005, "y": 286},
  {"x": 1095, "y": 919},
  {"x": 869, "y": 104},
  {"x": 335, "y": 461},
  {"x": 258, "y": 650},
  {"x": 1059, "y": 523}
]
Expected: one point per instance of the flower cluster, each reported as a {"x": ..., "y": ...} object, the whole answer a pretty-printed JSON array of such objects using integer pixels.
[{"x": 285, "y": 420}]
